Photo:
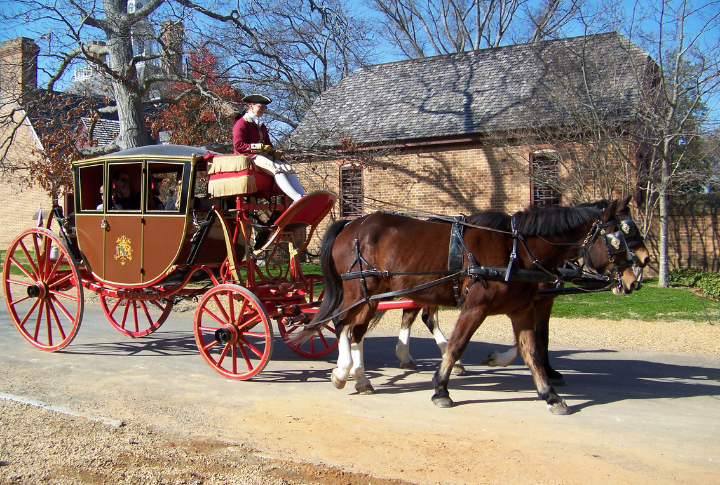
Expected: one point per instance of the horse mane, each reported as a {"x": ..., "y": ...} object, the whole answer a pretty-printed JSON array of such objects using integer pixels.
[
  {"x": 491, "y": 219},
  {"x": 552, "y": 221}
]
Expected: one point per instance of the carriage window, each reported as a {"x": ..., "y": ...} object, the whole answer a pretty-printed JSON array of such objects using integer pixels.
[
  {"x": 125, "y": 186},
  {"x": 545, "y": 171},
  {"x": 351, "y": 191},
  {"x": 164, "y": 187},
  {"x": 90, "y": 190}
]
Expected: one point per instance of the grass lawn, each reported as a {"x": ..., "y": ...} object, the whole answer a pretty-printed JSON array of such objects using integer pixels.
[{"x": 650, "y": 303}]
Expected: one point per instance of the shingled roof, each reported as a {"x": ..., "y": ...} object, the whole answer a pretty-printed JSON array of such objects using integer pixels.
[{"x": 473, "y": 93}]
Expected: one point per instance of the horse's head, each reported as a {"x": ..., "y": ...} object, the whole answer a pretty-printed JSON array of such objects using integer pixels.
[
  {"x": 606, "y": 251},
  {"x": 633, "y": 237}
]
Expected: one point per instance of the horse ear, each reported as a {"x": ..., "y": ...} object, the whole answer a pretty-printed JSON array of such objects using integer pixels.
[
  {"x": 609, "y": 212},
  {"x": 623, "y": 205}
]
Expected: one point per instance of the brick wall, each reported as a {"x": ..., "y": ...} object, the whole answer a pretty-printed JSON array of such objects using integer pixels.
[
  {"x": 19, "y": 203},
  {"x": 443, "y": 180},
  {"x": 471, "y": 178},
  {"x": 693, "y": 233}
]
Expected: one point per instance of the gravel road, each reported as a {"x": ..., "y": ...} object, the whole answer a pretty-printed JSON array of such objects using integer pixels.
[{"x": 39, "y": 444}]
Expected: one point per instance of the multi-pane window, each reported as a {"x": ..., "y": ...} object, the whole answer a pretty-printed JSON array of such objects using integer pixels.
[
  {"x": 351, "y": 191},
  {"x": 545, "y": 171}
]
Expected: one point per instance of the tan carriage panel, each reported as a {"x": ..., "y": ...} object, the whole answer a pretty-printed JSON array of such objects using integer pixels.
[
  {"x": 123, "y": 249},
  {"x": 91, "y": 241},
  {"x": 162, "y": 242}
]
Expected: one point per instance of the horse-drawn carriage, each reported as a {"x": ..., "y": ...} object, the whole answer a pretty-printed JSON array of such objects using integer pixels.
[
  {"x": 188, "y": 232},
  {"x": 185, "y": 232}
]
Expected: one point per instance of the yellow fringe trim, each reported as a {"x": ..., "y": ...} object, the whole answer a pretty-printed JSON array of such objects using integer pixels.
[
  {"x": 232, "y": 186},
  {"x": 228, "y": 163}
]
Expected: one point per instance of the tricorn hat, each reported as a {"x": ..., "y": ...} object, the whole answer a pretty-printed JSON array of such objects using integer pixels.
[{"x": 257, "y": 98}]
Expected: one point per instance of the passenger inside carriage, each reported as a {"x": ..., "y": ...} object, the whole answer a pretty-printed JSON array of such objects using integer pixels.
[{"x": 122, "y": 197}]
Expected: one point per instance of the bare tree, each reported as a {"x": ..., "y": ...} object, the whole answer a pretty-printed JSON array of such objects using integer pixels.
[
  {"x": 134, "y": 51},
  {"x": 642, "y": 132},
  {"x": 420, "y": 28}
]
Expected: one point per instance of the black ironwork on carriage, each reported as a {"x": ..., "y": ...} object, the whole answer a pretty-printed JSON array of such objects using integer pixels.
[{"x": 190, "y": 231}]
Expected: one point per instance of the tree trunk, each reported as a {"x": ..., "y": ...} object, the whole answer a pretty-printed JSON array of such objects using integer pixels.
[
  {"x": 663, "y": 271},
  {"x": 133, "y": 132}
]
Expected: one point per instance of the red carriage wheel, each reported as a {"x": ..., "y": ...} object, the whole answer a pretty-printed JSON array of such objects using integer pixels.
[
  {"x": 233, "y": 331},
  {"x": 135, "y": 317},
  {"x": 43, "y": 290},
  {"x": 321, "y": 343}
]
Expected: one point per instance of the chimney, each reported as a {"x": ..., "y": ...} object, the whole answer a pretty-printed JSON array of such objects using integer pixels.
[
  {"x": 172, "y": 35},
  {"x": 101, "y": 58},
  {"x": 18, "y": 70}
]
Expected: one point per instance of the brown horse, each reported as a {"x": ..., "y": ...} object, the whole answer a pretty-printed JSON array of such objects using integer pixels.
[
  {"x": 542, "y": 307},
  {"x": 377, "y": 249}
]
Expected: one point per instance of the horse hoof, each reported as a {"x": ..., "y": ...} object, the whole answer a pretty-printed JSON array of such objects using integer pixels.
[
  {"x": 559, "y": 408},
  {"x": 458, "y": 370},
  {"x": 365, "y": 389},
  {"x": 558, "y": 381},
  {"x": 490, "y": 360},
  {"x": 337, "y": 382},
  {"x": 408, "y": 365},
  {"x": 443, "y": 402}
]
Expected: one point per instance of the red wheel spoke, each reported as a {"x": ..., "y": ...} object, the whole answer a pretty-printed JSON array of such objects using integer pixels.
[
  {"x": 124, "y": 315},
  {"x": 135, "y": 315},
  {"x": 210, "y": 345},
  {"x": 117, "y": 303},
  {"x": 251, "y": 346},
  {"x": 38, "y": 321},
  {"x": 222, "y": 308},
  {"x": 215, "y": 317},
  {"x": 58, "y": 324},
  {"x": 63, "y": 309},
  {"x": 29, "y": 313},
  {"x": 18, "y": 282},
  {"x": 33, "y": 276},
  {"x": 68, "y": 277},
  {"x": 223, "y": 354},
  {"x": 36, "y": 272},
  {"x": 246, "y": 358},
  {"x": 48, "y": 324},
  {"x": 16, "y": 302},
  {"x": 64, "y": 295}
]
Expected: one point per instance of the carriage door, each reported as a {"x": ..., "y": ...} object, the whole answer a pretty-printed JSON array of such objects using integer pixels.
[
  {"x": 123, "y": 224},
  {"x": 164, "y": 217}
]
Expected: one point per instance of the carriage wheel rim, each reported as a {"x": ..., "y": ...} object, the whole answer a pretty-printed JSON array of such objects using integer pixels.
[
  {"x": 42, "y": 287},
  {"x": 135, "y": 317},
  {"x": 234, "y": 311}
]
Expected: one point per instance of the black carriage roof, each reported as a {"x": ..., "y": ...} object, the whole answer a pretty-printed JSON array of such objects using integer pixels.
[{"x": 165, "y": 151}]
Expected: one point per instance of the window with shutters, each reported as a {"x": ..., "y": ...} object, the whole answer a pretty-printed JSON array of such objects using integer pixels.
[
  {"x": 545, "y": 170},
  {"x": 351, "y": 191}
]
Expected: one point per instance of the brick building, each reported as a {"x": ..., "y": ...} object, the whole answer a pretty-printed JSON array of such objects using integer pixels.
[
  {"x": 431, "y": 127},
  {"x": 18, "y": 138}
]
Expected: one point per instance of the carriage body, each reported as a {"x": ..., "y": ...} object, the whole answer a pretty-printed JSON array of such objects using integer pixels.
[
  {"x": 186, "y": 227},
  {"x": 142, "y": 245}
]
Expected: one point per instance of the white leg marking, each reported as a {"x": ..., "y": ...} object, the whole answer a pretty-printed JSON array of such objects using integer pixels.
[
  {"x": 402, "y": 349},
  {"x": 345, "y": 360},
  {"x": 362, "y": 383},
  {"x": 502, "y": 359}
]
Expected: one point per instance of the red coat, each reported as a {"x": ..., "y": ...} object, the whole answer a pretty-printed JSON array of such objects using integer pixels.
[{"x": 245, "y": 133}]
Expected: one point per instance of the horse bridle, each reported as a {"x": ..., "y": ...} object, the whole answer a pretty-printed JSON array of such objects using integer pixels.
[{"x": 617, "y": 242}]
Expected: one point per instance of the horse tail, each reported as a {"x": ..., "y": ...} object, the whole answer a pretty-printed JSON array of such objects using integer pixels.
[{"x": 333, "y": 284}]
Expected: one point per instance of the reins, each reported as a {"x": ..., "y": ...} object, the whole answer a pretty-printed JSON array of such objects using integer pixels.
[{"x": 478, "y": 272}]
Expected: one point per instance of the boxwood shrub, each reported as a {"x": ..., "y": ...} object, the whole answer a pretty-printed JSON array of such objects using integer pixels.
[{"x": 707, "y": 282}]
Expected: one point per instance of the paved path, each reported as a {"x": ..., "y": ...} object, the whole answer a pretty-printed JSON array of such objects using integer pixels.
[{"x": 638, "y": 417}]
